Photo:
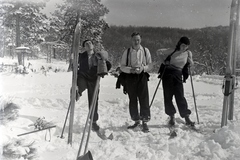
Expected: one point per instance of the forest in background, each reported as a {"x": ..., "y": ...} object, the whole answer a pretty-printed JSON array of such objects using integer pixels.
[
  {"x": 208, "y": 45},
  {"x": 23, "y": 24}
]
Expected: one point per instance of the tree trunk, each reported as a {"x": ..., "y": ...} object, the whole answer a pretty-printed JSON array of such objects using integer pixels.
[
  {"x": 4, "y": 47},
  {"x": 18, "y": 38},
  {"x": 17, "y": 31},
  {"x": 54, "y": 53}
]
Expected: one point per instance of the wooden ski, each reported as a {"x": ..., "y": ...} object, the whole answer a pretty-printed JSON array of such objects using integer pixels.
[
  {"x": 76, "y": 43},
  {"x": 229, "y": 78},
  {"x": 36, "y": 131}
]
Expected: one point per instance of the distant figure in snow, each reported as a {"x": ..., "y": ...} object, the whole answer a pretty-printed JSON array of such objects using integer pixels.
[
  {"x": 87, "y": 74},
  {"x": 135, "y": 64},
  {"x": 176, "y": 61}
]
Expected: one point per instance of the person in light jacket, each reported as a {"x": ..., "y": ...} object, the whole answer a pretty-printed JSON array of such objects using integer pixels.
[{"x": 136, "y": 62}]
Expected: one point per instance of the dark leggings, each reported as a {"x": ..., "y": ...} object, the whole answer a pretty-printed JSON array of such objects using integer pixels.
[
  {"x": 173, "y": 86},
  {"x": 137, "y": 89}
]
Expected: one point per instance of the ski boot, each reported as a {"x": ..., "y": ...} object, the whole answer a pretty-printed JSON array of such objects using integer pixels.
[
  {"x": 145, "y": 128},
  {"x": 171, "y": 121},
  {"x": 135, "y": 125},
  {"x": 95, "y": 127},
  {"x": 189, "y": 122}
]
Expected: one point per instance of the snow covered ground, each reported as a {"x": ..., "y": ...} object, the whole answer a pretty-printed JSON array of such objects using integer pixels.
[{"x": 47, "y": 95}]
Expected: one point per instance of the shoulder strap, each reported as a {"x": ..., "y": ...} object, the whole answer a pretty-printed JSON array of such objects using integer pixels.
[
  {"x": 127, "y": 56},
  {"x": 169, "y": 57},
  {"x": 145, "y": 54},
  {"x": 128, "y": 51}
]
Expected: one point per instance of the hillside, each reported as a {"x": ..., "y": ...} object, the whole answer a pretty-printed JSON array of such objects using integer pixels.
[{"x": 209, "y": 45}]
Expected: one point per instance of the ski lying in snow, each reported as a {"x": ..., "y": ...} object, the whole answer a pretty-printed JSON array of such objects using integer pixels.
[
  {"x": 103, "y": 136},
  {"x": 139, "y": 128},
  {"x": 36, "y": 130},
  {"x": 173, "y": 131},
  {"x": 145, "y": 131},
  {"x": 194, "y": 128}
]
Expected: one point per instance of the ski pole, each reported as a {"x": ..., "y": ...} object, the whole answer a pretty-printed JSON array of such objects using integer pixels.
[
  {"x": 157, "y": 87},
  {"x": 193, "y": 95},
  {"x": 65, "y": 120},
  {"x": 91, "y": 111}
]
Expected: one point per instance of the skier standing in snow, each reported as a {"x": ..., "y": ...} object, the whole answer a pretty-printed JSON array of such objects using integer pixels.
[
  {"x": 87, "y": 74},
  {"x": 135, "y": 64},
  {"x": 172, "y": 79}
]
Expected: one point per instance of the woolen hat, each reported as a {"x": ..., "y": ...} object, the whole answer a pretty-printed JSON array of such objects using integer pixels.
[{"x": 184, "y": 40}]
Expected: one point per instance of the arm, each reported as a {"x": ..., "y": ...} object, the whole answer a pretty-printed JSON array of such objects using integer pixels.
[
  {"x": 148, "y": 65},
  {"x": 124, "y": 66},
  {"x": 189, "y": 59}
]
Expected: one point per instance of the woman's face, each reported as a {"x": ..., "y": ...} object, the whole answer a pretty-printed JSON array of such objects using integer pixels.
[{"x": 183, "y": 47}]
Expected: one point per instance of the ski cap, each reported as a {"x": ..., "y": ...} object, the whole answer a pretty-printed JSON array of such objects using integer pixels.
[
  {"x": 83, "y": 44},
  {"x": 184, "y": 40}
]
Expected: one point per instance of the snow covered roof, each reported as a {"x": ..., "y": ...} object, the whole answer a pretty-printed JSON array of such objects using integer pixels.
[{"x": 22, "y": 49}]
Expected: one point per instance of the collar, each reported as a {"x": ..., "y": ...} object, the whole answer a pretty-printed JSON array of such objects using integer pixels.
[{"x": 140, "y": 48}]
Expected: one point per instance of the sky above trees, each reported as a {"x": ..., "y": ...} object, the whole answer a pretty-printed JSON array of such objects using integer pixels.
[{"x": 171, "y": 13}]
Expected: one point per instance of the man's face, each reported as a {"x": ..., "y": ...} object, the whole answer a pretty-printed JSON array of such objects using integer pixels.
[
  {"x": 88, "y": 46},
  {"x": 136, "y": 40}
]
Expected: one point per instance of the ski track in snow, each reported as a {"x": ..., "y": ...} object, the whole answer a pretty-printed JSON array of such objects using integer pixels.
[{"x": 48, "y": 96}]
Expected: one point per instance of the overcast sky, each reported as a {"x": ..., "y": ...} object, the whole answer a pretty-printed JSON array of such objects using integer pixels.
[{"x": 165, "y": 13}]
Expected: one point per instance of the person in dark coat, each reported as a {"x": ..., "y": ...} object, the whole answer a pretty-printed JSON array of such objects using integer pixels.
[
  {"x": 87, "y": 74},
  {"x": 172, "y": 80}
]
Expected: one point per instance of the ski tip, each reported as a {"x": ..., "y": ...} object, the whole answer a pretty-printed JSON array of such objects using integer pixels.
[
  {"x": 145, "y": 131},
  {"x": 173, "y": 134},
  {"x": 110, "y": 136}
]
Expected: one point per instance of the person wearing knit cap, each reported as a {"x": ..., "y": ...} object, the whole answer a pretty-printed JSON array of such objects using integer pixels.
[
  {"x": 87, "y": 74},
  {"x": 172, "y": 79}
]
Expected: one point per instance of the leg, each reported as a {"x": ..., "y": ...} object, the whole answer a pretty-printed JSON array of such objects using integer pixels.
[
  {"x": 181, "y": 100},
  {"x": 82, "y": 85},
  {"x": 91, "y": 87},
  {"x": 143, "y": 96},
  {"x": 168, "y": 89},
  {"x": 132, "y": 94}
]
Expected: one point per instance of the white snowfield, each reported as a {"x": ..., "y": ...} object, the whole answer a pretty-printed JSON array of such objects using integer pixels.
[{"x": 48, "y": 95}]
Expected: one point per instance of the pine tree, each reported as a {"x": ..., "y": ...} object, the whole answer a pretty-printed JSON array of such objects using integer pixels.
[
  {"x": 25, "y": 19},
  {"x": 67, "y": 15}
]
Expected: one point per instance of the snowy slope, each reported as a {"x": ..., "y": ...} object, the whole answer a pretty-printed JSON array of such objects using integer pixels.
[{"x": 48, "y": 95}]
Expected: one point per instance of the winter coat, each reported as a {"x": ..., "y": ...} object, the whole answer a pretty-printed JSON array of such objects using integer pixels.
[{"x": 86, "y": 71}]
